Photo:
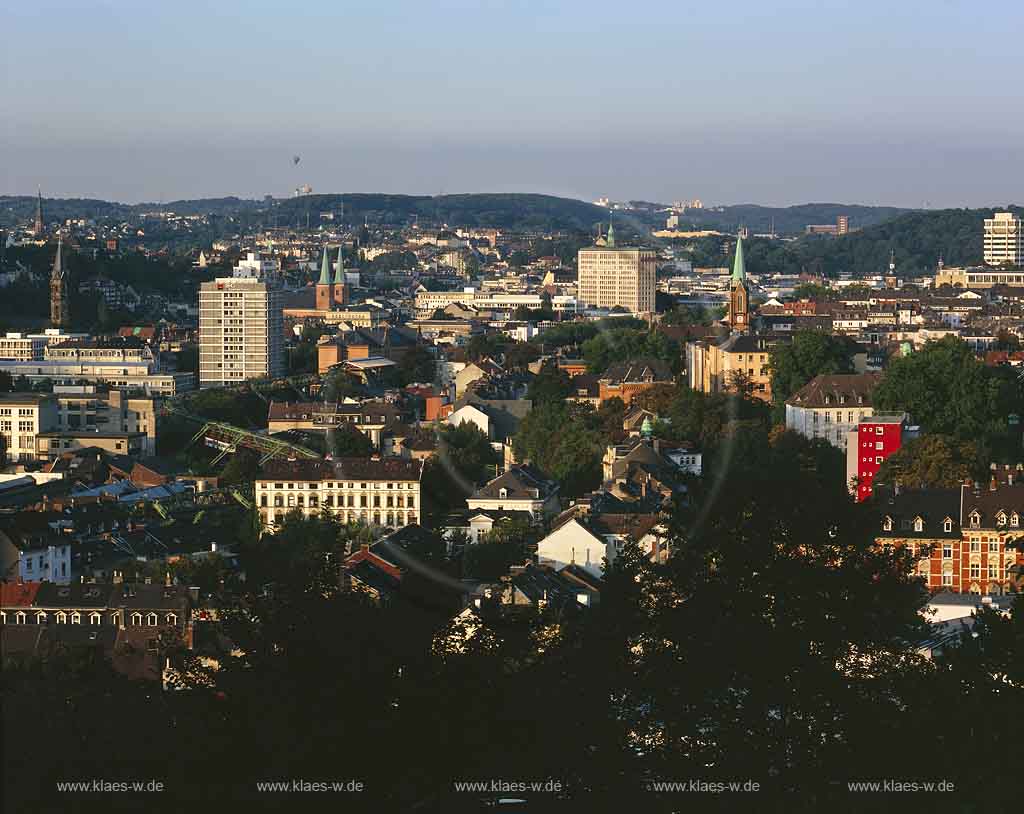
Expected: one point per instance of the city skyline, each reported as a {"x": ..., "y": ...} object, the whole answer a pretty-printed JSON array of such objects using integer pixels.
[{"x": 776, "y": 106}]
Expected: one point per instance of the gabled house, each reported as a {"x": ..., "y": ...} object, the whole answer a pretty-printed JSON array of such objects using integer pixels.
[{"x": 522, "y": 488}]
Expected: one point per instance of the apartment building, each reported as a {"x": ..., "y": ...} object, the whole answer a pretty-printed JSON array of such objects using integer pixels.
[
  {"x": 116, "y": 351},
  {"x": 966, "y": 539},
  {"x": 868, "y": 445},
  {"x": 1004, "y": 240},
  {"x": 124, "y": 375},
  {"x": 241, "y": 331},
  {"x": 740, "y": 359},
  {"x": 831, "y": 405},
  {"x": 21, "y": 347},
  {"x": 22, "y": 417},
  {"x": 95, "y": 408},
  {"x": 381, "y": 492},
  {"x": 610, "y": 276}
]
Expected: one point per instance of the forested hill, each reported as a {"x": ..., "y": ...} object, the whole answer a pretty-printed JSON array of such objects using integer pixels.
[
  {"x": 788, "y": 220},
  {"x": 918, "y": 239},
  {"x": 513, "y": 211}
]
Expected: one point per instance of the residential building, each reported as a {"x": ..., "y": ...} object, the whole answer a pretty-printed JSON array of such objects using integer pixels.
[
  {"x": 610, "y": 276},
  {"x": 369, "y": 417},
  {"x": 867, "y": 447},
  {"x": 241, "y": 331},
  {"x": 624, "y": 380},
  {"x": 967, "y": 539},
  {"x": 22, "y": 417},
  {"x": 831, "y": 405},
  {"x": 522, "y": 488},
  {"x": 979, "y": 277},
  {"x": 22, "y": 347},
  {"x": 382, "y": 492},
  {"x": 1004, "y": 240},
  {"x": 135, "y": 376},
  {"x": 30, "y": 550},
  {"x": 89, "y": 407},
  {"x": 720, "y": 365}
]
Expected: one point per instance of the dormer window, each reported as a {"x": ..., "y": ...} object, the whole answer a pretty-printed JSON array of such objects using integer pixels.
[
  {"x": 887, "y": 524},
  {"x": 947, "y": 525},
  {"x": 62, "y": 618},
  {"x": 151, "y": 619},
  {"x": 975, "y": 520},
  {"x": 172, "y": 619},
  {"x": 918, "y": 524},
  {"x": 1015, "y": 520},
  {"x": 94, "y": 618},
  {"x": 41, "y": 617},
  {"x": 19, "y": 618},
  {"x": 136, "y": 618},
  {"x": 1001, "y": 519},
  {"x": 503, "y": 493},
  {"x": 76, "y": 618}
]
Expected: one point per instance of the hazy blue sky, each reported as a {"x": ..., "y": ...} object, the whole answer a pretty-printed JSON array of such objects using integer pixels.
[{"x": 899, "y": 102}]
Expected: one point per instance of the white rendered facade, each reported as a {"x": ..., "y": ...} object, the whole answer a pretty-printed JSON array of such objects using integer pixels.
[{"x": 241, "y": 331}]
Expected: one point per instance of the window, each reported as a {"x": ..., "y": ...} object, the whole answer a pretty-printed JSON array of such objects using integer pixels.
[
  {"x": 172, "y": 619},
  {"x": 947, "y": 525},
  {"x": 993, "y": 570},
  {"x": 887, "y": 524},
  {"x": 1015, "y": 519},
  {"x": 136, "y": 618},
  {"x": 878, "y": 460},
  {"x": 1001, "y": 519},
  {"x": 947, "y": 551},
  {"x": 975, "y": 520},
  {"x": 94, "y": 618},
  {"x": 19, "y": 618},
  {"x": 151, "y": 619},
  {"x": 41, "y": 617},
  {"x": 947, "y": 578},
  {"x": 993, "y": 547}
]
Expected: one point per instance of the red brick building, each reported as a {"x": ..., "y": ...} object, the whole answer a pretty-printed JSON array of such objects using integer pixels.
[{"x": 969, "y": 539}]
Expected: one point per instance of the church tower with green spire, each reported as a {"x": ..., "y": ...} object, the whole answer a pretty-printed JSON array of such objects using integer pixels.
[
  {"x": 739, "y": 297},
  {"x": 610, "y": 240},
  {"x": 340, "y": 289},
  {"x": 324, "y": 298}
]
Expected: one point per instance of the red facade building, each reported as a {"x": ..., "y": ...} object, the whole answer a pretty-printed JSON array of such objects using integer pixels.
[{"x": 877, "y": 438}]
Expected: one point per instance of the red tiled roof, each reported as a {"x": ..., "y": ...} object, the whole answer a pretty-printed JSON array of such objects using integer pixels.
[{"x": 18, "y": 594}]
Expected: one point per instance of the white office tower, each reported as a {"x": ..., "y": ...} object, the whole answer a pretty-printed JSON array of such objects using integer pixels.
[
  {"x": 241, "y": 330},
  {"x": 1004, "y": 240}
]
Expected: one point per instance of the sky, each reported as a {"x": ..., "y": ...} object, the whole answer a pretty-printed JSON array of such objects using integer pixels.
[{"x": 902, "y": 103}]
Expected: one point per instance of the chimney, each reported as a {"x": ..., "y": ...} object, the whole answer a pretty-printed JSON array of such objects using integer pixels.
[{"x": 993, "y": 484}]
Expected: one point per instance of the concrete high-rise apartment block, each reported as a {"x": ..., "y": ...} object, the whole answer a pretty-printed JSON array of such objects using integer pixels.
[
  {"x": 241, "y": 330},
  {"x": 1004, "y": 240},
  {"x": 610, "y": 276}
]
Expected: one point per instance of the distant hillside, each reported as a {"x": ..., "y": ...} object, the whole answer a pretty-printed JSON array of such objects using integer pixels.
[
  {"x": 918, "y": 239},
  {"x": 789, "y": 220},
  {"x": 513, "y": 211}
]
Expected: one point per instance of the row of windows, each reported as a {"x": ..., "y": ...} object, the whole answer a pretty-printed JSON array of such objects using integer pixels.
[
  {"x": 391, "y": 519},
  {"x": 95, "y": 618},
  {"x": 392, "y": 501},
  {"x": 340, "y": 485}
]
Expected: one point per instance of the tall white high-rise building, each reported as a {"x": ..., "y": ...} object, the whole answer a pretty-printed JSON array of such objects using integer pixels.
[
  {"x": 241, "y": 330},
  {"x": 1004, "y": 239},
  {"x": 610, "y": 276}
]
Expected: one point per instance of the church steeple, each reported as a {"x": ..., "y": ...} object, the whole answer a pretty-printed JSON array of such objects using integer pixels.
[
  {"x": 325, "y": 270},
  {"x": 739, "y": 267},
  {"x": 610, "y": 240},
  {"x": 60, "y": 305},
  {"x": 739, "y": 297},
  {"x": 339, "y": 269},
  {"x": 38, "y": 227}
]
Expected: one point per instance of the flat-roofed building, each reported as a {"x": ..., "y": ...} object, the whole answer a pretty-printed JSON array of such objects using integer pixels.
[
  {"x": 1004, "y": 240},
  {"x": 22, "y": 417},
  {"x": 610, "y": 276},
  {"x": 241, "y": 331}
]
